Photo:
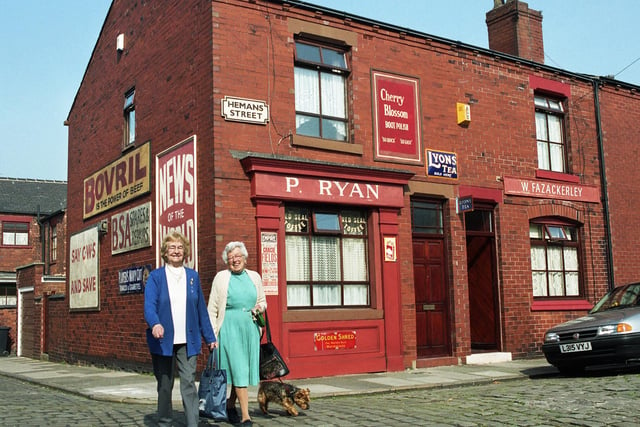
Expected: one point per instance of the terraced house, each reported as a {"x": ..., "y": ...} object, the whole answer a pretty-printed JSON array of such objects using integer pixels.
[{"x": 409, "y": 200}]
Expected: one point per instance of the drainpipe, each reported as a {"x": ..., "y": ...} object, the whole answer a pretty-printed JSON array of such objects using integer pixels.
[{"x": 603, "y": 178}]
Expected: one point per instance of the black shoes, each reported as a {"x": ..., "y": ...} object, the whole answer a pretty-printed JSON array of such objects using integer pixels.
[
  {"x": 232, "y": 414},
  {"x": 247, "y": 423}
]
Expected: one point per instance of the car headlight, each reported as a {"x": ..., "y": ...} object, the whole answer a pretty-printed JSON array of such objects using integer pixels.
[
  {"x": 551, "y": 337},
  {"x": 614, "y": 329}
]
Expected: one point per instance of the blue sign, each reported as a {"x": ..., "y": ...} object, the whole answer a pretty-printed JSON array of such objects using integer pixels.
[
  {"x": 132, "y": 280},
  {"x": 465, "y": 204},
  {"x": 442, "y": 164}
]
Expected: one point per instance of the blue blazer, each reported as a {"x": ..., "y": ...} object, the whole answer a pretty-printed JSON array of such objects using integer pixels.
[{"x": 157, "y": 309}]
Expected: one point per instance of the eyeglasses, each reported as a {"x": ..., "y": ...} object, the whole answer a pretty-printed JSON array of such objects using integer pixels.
[
  {"x": 175, "y": 248},
  {"x": 235, "y": 257}
]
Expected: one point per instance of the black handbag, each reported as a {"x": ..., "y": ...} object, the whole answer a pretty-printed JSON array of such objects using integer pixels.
[
  {"x": 212, "y": 390},
  {"x": 272, "y": 364}
]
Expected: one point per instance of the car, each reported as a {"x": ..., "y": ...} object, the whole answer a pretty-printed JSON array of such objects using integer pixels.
[{"x": 608, "y": 335}]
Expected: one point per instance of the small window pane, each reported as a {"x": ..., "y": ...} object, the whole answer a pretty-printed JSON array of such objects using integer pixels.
[
  {"x": 333, "y": 58},
  {"x": 309, "y": 126},
  {"x": 297, "y": 249},
  {"x": 298, "y": 296},
  {"x": 356, "y": 295},
  {"x": 555, "y": 232},
  {"x": 326, "y": 221},
  {"x": 539, "y": 284},
  {"x": 307, "y": 52},
  {"x": 557, "y": 158},
  {"x": 326, "y": 295},
  {"x": 333, "y": 129},
  {"x": 326, "y": 258},
  {"x": 535, "y": 231}
]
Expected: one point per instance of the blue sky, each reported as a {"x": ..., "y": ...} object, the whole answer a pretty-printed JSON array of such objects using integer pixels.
[{"x": 46, "y": 45}]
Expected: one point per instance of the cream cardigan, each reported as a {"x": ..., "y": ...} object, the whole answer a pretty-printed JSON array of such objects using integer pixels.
[{"x": 218, "y": 298}]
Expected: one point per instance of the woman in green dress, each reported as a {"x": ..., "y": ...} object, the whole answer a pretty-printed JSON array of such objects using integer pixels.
[{"x": 236, "y": 295}]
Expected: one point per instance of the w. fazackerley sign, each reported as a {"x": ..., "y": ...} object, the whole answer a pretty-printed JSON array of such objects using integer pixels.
[{"x": 551, "y": 189}]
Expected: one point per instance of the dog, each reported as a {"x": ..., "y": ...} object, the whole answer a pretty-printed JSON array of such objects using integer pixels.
[{"x": 284, "y": 394}]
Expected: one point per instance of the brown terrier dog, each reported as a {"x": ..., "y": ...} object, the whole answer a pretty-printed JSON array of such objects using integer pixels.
[{"x": 283, "y": 394}]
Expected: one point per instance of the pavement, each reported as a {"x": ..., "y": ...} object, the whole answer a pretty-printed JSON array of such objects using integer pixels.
[{"x": 130, "y": 387}]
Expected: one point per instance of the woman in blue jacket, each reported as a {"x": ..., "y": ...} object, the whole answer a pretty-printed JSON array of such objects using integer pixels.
[{"x": 176, "y": 313}]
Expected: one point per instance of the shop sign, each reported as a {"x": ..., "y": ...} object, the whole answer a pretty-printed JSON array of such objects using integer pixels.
[
  {"x": 176, "y": 196},
  {"x": 120, "y": 181},
  {"x": 132, "y": 280},
  {"x": 84, "y": 283},
  {"x": 442, "y": 164},
  {"x": 328, "y": 190},
  {"x": 340, "y": 340},
  {"x": 131, "y": 229},
  {"x": 245, "y": 110},
  {"x": 551, "y": 189},
  {"x": 464, "y": 204},
  {"x": 269, "y": 248},
  {"x": 396, "y": 118}
]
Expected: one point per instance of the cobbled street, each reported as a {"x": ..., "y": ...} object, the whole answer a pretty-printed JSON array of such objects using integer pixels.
[{"x": 598, "y": 399}]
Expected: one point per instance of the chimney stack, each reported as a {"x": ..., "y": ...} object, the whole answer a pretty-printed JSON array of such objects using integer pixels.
[{"x": 516, "y": 30}]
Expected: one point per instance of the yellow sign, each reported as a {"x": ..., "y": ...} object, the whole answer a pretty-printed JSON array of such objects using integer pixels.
[{"x": 120, "y": 181}]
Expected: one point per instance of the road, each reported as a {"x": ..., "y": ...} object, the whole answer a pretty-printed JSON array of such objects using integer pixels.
[{"x": 607, "y": 398}]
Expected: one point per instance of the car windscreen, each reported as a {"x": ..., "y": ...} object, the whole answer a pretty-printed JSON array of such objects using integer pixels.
[{"x": 621, "y": 297}]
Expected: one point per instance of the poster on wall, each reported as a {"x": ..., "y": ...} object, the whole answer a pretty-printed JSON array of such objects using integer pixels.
[
  {"x": 132, "y": 280},
  {"x": 117, "y": 183},
  {"x": 131, "y": 229},
  {"x": 176, "y": 196},
  {"x": 269, "y": 249},
  {"x": 396, "y": 118},
  {"x": 84, "y": 282}
]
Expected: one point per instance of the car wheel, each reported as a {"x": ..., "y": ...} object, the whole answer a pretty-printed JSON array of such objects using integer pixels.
[{"x": 571, "y": 370}]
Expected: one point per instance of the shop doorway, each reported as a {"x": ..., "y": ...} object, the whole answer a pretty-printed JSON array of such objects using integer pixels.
[
  {"x": 482, "y": 278},
  {"x": 431, "y": 285}
]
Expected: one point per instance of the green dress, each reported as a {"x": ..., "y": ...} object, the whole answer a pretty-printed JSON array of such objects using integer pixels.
[{"x": 239, "y": 337}]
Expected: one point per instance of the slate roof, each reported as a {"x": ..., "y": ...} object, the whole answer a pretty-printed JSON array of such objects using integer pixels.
[{"x": 32, "y": 196}]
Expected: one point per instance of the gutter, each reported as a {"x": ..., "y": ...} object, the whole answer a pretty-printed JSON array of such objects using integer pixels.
[{"x": 603, "y": 178}]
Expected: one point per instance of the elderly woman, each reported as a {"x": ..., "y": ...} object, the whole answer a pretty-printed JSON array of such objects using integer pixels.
[
  {"x": 176, "y": 312},
  {"x": 236, "y": 295}
]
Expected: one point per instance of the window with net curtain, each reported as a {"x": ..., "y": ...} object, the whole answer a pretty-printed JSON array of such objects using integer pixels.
[
  {"x": 15, "y": 233},
  {"x": 326, "y": 258},
  {"x": 550, "y": 133},
  {"x": 555, "y": 265},
  {"x": 320, "y": 76}
]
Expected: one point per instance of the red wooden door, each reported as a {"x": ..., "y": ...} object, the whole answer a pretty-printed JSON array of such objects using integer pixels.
[{"x": 432, "y": 308}]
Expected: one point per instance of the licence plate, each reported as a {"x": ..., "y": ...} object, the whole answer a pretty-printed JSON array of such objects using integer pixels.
[{"x": 579, "y": 346}]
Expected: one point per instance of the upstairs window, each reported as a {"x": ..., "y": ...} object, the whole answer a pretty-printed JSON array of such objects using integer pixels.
[
  {"x": 327, "y": 258},
  {"x": 320, "y": 75},
  {"x": 53, "y": 256},
  {"x": 15, "y": 233},
  {"x": 550, "y": 134},
  {"x": 555, "y": 262},
  {"x": 129, "y": 119}
]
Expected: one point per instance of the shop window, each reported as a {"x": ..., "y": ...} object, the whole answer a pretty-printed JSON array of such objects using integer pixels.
[
  {"x": 550, "y": 134},
  {"x": 555, "y": 264},
  {"x": 320, "y": 75},
  {"x": 53, "y": 247},
  {"x": 129, "y": 119},
  {"x": 15, "y": 233},
  {"x": 326, "y": 258}
]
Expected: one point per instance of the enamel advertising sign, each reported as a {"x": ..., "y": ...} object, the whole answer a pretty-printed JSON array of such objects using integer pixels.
[{"x": 396, "y": 118}]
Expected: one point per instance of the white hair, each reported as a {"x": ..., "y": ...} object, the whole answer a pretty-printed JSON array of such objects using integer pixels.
[{"x": 231, "y": 246}]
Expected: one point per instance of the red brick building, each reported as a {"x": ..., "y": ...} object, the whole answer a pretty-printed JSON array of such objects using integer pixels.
[
  {"x": 409, "y": 200},
  {"x": 32, "y": 253}
]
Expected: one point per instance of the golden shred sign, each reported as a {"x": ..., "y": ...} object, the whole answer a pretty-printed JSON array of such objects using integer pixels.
[{"x": 120, "y": 181}]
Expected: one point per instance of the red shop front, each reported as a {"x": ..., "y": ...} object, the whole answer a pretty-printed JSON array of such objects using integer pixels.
[{"x": 328, "y": 239}]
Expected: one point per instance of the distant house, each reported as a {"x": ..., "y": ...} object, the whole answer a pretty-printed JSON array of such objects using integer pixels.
[{"x": 33, "y": 224}]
